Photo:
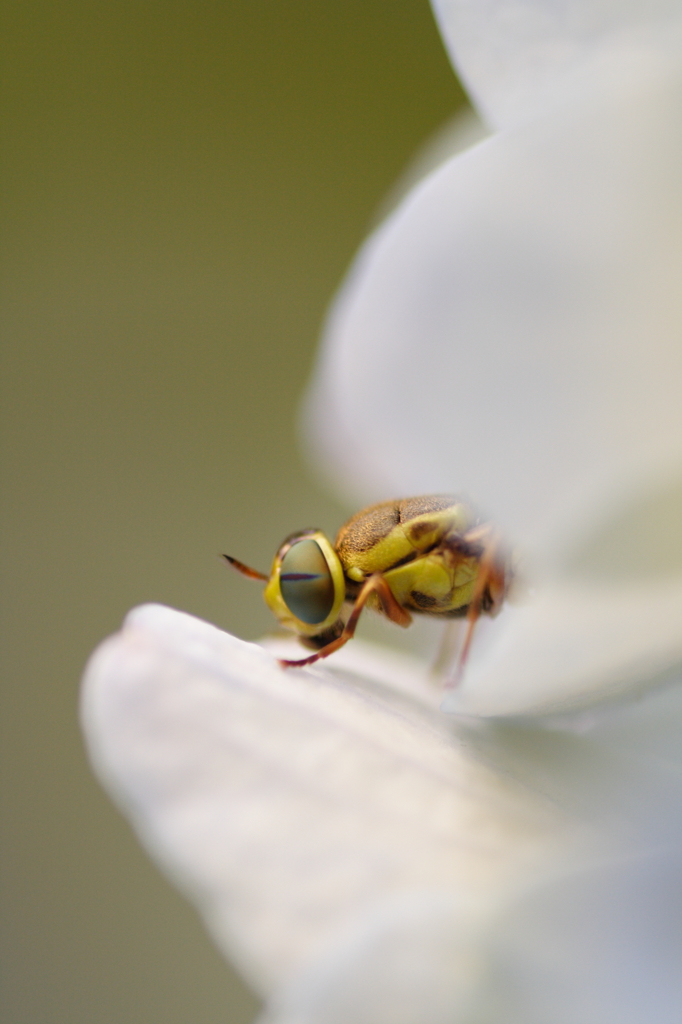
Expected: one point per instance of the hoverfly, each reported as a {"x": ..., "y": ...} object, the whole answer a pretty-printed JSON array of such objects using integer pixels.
[{"x": 428, "y": 555}]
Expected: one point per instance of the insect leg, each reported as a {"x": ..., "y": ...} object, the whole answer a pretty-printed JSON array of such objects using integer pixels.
[
  {"x": 450, "y": 645},
  {"x": 491, "y": 578},
  {"x": 374, "y": 585}
]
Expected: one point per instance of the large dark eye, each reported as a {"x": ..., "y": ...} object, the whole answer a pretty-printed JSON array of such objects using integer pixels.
[{"x": 306, "y": 582}]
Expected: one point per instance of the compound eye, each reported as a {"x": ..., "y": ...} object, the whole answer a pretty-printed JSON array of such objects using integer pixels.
[{"x": 306, "y": 582}]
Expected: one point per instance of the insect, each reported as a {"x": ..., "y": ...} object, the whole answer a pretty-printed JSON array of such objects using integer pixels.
[{"x": 428, "y": 555}]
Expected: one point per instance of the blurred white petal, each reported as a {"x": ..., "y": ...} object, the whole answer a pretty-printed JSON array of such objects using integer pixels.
[
  {"x": 512, "y": 331},
  {"x": 288, "y": 804},
  {"x": 517, "y": 57},
  {"x": 512, "y": 334},
  {"x": 598, "y": 945},
  {"x": 575, "y": 646},
  {"x": 461, "y": 132},
  {"x": 415, "y": 961},
  {"x": 601, "y": 946}
]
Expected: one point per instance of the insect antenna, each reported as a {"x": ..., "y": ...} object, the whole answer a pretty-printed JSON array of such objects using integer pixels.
[{"x": 245, "y": 570}]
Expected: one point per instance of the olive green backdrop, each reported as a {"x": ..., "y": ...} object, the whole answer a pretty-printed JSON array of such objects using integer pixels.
[{"x": 185, "y": 183}]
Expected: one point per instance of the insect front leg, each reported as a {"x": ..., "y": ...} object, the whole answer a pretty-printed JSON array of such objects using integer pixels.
[{"x": 375, "y": 584}]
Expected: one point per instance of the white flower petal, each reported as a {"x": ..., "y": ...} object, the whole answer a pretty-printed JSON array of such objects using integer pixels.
[
  {"x": 414, "y": 962},
  {"x": 600, "y": 947},
  {"x": 575, "y": 646},
  {"x": 596, "y": 946},
  {"x": 518, "y": 56},
  {"x": 287, "y": 804},
  {"x": 458, "y": 134},
  {"x": 512, "y": 332}
]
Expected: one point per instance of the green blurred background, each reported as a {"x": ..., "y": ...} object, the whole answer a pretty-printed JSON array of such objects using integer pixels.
[{"x": 184, "y": 185}]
